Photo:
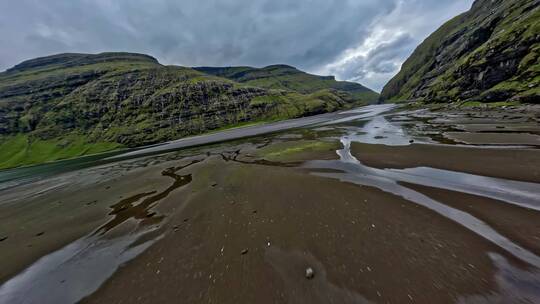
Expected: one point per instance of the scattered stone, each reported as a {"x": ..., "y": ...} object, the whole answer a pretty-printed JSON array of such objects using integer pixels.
[
  {"x": 310, "y": 273},
  {"x": 411, "y": 141},
  {"x": 186, "y": 219},
  {"x": 254, "y": 211},
  {"x": 3, "y": 238},
  {"x": 214, "y": 184},
  {"x": 40, "y": 234},
  {"x": 244, "y": 251}
]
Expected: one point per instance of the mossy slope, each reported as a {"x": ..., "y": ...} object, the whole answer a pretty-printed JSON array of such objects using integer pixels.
[
  {"x": 286, "y": 77},
  {"x": 490, "y": 53}
]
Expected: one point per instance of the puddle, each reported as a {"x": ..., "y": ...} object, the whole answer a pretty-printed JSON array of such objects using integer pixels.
[
  {"x": 380, "y": 131},
  {"x": 78, "y": 269},
  {"x": 73, "y": 272}
]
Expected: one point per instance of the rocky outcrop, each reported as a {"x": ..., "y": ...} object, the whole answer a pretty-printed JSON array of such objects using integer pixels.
[{"x": 490, "y": 53}]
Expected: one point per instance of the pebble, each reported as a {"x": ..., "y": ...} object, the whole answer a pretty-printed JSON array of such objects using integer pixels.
[
  {"x": 310, "y": 273},
  {"x": 244, "y": 251}
]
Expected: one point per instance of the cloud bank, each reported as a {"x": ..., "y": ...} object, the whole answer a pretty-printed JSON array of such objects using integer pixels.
[{"x": 358, "y": 40}]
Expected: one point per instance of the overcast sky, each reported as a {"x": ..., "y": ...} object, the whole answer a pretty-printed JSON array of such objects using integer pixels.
[{"x": 358, "y": 40}]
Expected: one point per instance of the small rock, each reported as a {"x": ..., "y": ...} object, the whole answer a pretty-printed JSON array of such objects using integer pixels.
[
  {"x": 40, "y": 234},
  {"x": 214, "y": 184},
  {"x": 3, "y": 238},
  {"x": 310, "y": 273},
  {"x": 244, "y": 251},
  {"x": 411, "y": 141}
]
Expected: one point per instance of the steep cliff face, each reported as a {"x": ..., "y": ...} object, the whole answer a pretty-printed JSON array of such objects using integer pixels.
[
  {"x": 74, "y": 104},
  {"x": 490, "y": 53}
]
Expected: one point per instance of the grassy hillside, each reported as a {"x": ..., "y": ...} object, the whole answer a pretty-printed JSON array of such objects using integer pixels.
[
  {"x": 285, "y": 77},
  {"x": 490, "y": 53},
  {"x": 70, "y": 105}
]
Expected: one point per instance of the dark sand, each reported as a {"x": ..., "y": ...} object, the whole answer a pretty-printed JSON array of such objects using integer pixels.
[
  {"x": 509, "y": 163},
  {"x": 487, "y": 138},
  {"x": 241, "y": 223},
  {"x": 364, "y": 245}
]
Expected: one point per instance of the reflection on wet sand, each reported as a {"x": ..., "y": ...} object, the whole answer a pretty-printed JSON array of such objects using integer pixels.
[
  {"x": 233, "y": 215},
  {"x": 355, "y": 172},
  {"x": 74, "y": 271},
  {"x": 82, "y": 266}
]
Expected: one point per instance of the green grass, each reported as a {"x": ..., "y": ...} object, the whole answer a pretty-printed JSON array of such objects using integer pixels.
[
  {"x": 472, "y": 104},
  {"x": 291, "y": 105},
  {"x": 71, "y": 105},
  {"x": 517, "y": 27},
  {"x": 287, "y": 78},
  {"x": 22, "y": 150}
]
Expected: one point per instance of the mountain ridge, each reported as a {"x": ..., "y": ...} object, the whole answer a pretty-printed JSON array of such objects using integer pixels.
[{"x": 68, "y": 105}]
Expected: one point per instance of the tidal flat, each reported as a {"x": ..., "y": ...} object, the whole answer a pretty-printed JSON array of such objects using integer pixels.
[{"x": 377, "y": 202}]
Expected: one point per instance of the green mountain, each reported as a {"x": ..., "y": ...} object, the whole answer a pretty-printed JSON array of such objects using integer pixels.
[
  {"x": 69, "y": 105},
  {"x": 490, "y": 53},
  {"x": 286, "y": 77}
]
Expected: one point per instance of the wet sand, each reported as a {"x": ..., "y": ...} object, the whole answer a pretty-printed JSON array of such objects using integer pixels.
[
  {"x": 353, "y": 238},
  {"x": 377, "y": 218},
  {"x": 511, "y": 163},
  {"x": 487, "y": 138}
]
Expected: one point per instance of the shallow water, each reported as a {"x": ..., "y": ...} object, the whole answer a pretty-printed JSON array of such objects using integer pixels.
[{"x": 133, "y": 223}]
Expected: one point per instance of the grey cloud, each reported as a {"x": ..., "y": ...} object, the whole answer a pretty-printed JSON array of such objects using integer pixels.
[{"x": 308, "y": 34}]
